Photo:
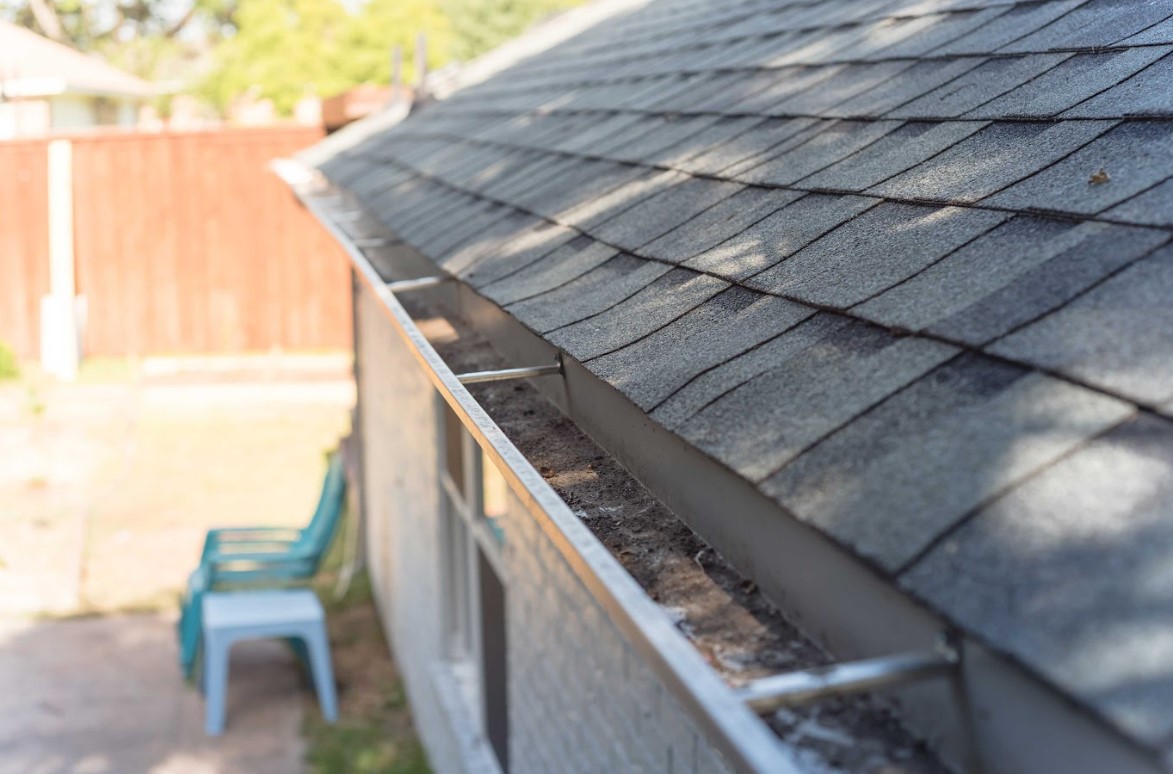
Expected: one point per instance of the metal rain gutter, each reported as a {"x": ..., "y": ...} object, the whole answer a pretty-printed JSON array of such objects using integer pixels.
[{"x": 721, "y": 715}]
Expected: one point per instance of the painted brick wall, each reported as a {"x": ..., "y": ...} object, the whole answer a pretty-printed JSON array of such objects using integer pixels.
[{"x": 580, "y": 697}]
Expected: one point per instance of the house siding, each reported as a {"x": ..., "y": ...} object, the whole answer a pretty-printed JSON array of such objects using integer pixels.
[{"x": 580, "y": 696}]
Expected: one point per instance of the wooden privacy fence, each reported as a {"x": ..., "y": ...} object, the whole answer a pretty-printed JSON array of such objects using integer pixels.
[{"x": 181, "y": 243}]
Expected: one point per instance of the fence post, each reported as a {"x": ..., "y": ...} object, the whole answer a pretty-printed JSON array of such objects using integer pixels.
[{"x": 60, "y": 334}]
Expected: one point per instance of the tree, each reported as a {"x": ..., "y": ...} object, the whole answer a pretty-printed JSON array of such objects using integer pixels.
[
  {"x": 89, "y": 24},
  {"x": 283, "y": 49},
  {"x": 482, "y": 25}
]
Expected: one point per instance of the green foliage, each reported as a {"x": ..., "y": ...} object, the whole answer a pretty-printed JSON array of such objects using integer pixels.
[
  {"x": 284, "y": 49},
  {"x": 481, "y": 25},
  {"x": 9, "y": 369}
]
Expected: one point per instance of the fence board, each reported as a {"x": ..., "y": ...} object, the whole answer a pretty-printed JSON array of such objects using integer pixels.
[
  {"x": 183, "y": 243},
  {"x": 24, "y": 243}
]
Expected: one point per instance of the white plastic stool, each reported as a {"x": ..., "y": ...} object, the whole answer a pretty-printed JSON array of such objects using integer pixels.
[{"x": 249, "y": 615}]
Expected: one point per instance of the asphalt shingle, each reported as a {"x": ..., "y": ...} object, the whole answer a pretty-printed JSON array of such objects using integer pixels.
[
  {"x": 1083, "y": 76},
  {"x": 1133, "y": 156},
  {"x": 1094, "y": 24},
  {"x": 1145, "y": 94},
  {"x": 1073, "y": 579},
  {"x": 771, "y": 134},
  {"x": 883, "y": 246},
  {"x": 659, "y": 214},
  {"x": 600, "y": 288},
  {"x": 780, "y": 235},
  {"x": 678, "y": 156},
  {"x": 913, "y": 83},
  {"x": 922, "y": 34},
  {"x": 1018, "y": 21},
  {"x": 536, "y": 240},
  {"x": 886, "y": 484},
  {"x": 854, "y": 79},
  {"x": 593, "y": 190},
  {"x": 1020, "y": 270},
  {"x": 566, "y": 263},
  {"x": 648, "y": 310},
  {"x": 722, "y": 328},
  {"x": 903, "y": 148},
  {"x": 983, "y": 83},
  {"x": 990, "y": 160},
  {"x": 818, "y": 383},
  {"x": 1116, "y": 336},
  {"x": 783, "y": 84},
  {"x": 710, "y": 228},
  {"x": 667, "y": 132},
  {"x": 840, "y": 139},
  {"x": 514, "y": 236},
  {"x": 1154, "y": 206}
]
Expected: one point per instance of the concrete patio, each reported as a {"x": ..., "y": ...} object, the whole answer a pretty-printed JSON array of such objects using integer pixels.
[{"x": 95, "y": 695}]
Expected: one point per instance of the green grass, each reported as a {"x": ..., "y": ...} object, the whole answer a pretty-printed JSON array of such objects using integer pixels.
[
  {"x": 362, "y": 747},
  {"x": 9, "y": 368}
]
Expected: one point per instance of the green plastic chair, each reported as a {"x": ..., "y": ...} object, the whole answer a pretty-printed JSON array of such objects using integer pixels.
[{"x": 259, "y": 557}]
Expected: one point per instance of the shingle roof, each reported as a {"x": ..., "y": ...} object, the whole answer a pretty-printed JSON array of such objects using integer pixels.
[{"x": 902, "y": 264}]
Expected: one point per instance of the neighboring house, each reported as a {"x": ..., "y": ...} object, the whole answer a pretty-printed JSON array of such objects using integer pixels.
[
  {"x": 49, "y": 87},
  {"x": 874, "y": 296}
]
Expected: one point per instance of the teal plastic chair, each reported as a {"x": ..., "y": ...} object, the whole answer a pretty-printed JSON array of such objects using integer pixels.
[{"x": 259, "y": 557}]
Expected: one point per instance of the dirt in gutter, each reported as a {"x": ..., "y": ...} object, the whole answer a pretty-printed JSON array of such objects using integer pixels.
[{"x": 737, "y": 630}]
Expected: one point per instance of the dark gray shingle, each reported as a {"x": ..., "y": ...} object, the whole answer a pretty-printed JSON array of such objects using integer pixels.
[
  {"x": 885, "y": 245},
  {"x": 840, "y": 139},
  {"x": 907, "y": 146},
  {"x": 567, "y": 262},
  {"x": 1134, "y": 155},
  {"x": 653, "y": 307},
  {"x": 1154, "y": 206},
  {"x": 990, "y": 160},
  {"x": 592, "y": 209},
  {"x": 659, "y": 214},
  {"x": 600, "y": 288},
  {"x": 1094, "y": 24},
  {"x": 1118, "y": 336},
  {"x": 1073, "y": 580},
  {"x": 730, "y": 323},
  {"x": 915, "y": 82},
  {"x": 1019, "y": 21},
  {"x": 821, "y": 383},
  {"x": 1146, "y": 93},
  {"x": 1022, "y": 258},
  {"x": 1080, "y": 77},
  {"x": 772, "y": 134},
  {"x": 713, "y": 226},
  {"x": 780, "y": 235},
  {"x": 903, "y": 474},
  {"x": 983, "y": 83}
]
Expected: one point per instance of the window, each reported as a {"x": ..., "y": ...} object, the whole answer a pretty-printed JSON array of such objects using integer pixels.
[{"x": 474, "y": 498}]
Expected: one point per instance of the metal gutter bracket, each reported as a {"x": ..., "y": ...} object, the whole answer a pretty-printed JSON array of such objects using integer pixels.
[
  {"x": 506, "y": 374},
  {"x": 792, "y": 688},
  {"x": 419, "y": 283}
]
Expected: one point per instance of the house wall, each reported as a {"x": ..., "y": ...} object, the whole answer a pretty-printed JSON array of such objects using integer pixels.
[
  {"x": 24, "y": 118},
  {"x": 72, "y": 112},
  {"x": 580, "y": 698}
]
